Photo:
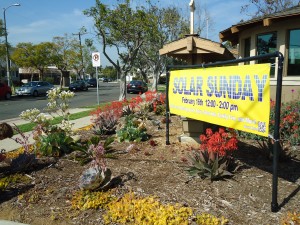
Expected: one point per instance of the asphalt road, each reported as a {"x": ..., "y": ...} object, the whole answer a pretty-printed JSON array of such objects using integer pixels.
[{"x": 12, "y": 108}]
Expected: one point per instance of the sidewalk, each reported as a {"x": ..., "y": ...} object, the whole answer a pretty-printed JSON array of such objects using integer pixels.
[
  {"x": 9, "y": 145},
  {"x": 6, "y": 222}
]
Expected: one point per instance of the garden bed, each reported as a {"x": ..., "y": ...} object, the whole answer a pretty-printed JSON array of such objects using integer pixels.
[{"x": 44, "y": 194}]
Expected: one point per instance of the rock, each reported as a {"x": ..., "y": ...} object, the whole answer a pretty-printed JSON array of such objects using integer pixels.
[{"x": 6, "y": 131}]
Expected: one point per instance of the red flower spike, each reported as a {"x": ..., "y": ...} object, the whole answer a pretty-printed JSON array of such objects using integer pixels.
[
  {"x": 218, "y": 143},
  {"x": 209, "y": 132}
]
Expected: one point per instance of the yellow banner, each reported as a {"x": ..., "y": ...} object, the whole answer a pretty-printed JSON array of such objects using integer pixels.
[{"x": 232, "y": 96}]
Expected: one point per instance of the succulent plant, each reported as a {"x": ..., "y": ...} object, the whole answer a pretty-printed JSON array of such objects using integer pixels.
[
  {"x": 209, "y": 165},
  {"x": 133, "y": 130},
  {"x": 106, "y": 123},
  {"x": 94, "y": 178}
]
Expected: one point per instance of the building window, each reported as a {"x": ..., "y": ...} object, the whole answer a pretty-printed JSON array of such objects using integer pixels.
[
  {"x": 267, "y": 43},
  {"x": 294, "y": 53},
  {"x": 247, "y": 43}
]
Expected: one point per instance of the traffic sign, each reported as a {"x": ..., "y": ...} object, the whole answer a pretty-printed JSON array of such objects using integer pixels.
[{"x": 96, "y": 59}]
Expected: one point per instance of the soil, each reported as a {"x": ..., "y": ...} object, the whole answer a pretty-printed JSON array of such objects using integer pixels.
[{"x": 157, "y": 170}]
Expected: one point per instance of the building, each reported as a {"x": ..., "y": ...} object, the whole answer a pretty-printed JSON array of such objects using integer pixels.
[
  {"x": 51, "y": 74},
  {"x": 276, "y": 32}
]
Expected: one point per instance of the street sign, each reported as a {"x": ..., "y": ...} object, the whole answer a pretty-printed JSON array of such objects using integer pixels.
[
  {"x": 96, "y": 59},
  {"x": 96, "y": 63}
]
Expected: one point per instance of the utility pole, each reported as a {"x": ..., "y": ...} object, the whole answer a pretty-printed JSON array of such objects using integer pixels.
[
  {"x": 9, "y": 81},
  {"x": 81, "y": 32}
]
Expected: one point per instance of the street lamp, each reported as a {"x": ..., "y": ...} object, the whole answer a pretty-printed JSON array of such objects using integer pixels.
[{"x": 6, "y": 44}]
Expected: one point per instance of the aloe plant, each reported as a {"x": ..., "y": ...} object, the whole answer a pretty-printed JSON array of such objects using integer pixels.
[{"x": 209, "y": 165}]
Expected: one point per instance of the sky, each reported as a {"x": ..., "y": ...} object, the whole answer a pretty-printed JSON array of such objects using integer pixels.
[{"x": 38, "y": 21}]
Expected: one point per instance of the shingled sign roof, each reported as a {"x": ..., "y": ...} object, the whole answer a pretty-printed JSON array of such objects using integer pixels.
[{"x": 231, "y": 34}]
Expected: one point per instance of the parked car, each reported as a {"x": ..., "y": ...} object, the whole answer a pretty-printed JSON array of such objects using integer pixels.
[
  {"x": 5, "y": 91},
  {"x": 92, "y": 82},
  {"x": 78, "y": 85},
  {"x": 34, "y": 88},
  {"x": 137, "y": 86},
  {"x": 105, "y": 80}
]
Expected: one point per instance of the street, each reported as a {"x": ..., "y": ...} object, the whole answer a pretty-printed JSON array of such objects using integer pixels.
[{"x": 12, "y": 108}]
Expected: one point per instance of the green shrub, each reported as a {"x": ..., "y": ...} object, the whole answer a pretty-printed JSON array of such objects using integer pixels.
[
  {"x": 56, "y": 143},
  {"x": 133, "y": 130}
]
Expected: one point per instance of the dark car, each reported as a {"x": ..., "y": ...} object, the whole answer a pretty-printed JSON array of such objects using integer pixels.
[
  {"x": 105, "y": 80},
  {"x": 78, "y": 85},
  {"x": 5, "y": 91},
  {"x": 137, "y": 86},
  {"x": 34, "y": 88},
  {"x": 92, "y": 82}
]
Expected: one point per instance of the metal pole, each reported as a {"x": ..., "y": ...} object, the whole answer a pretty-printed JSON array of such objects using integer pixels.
[
  {"x": 81, "y": 55},
  {"x": 167, "y": 108},
  {"x": 9, "y": 83},
  {"x": 7, "y": 51},
  {"x": 276, "y": 147},
  {"x": 97, "y": 85}
]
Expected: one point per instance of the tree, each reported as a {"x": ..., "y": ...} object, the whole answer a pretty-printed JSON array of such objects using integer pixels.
[
  {"x": 33, "y": 56},
  {"x": 3, "y": 48},
  {"x": 169, "y": 26},
  {"x": 123, "y": 29},
  {"x": 66, "y": 55},
  {"x": 61, "y": 54},
  {"x": 266, "y": 7},
  {"x": 75, "y": 57},
  {"x": 109, "y": 72},
  {"x": 87, "y": 49},
  {"x": 2, "y": 56}
]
